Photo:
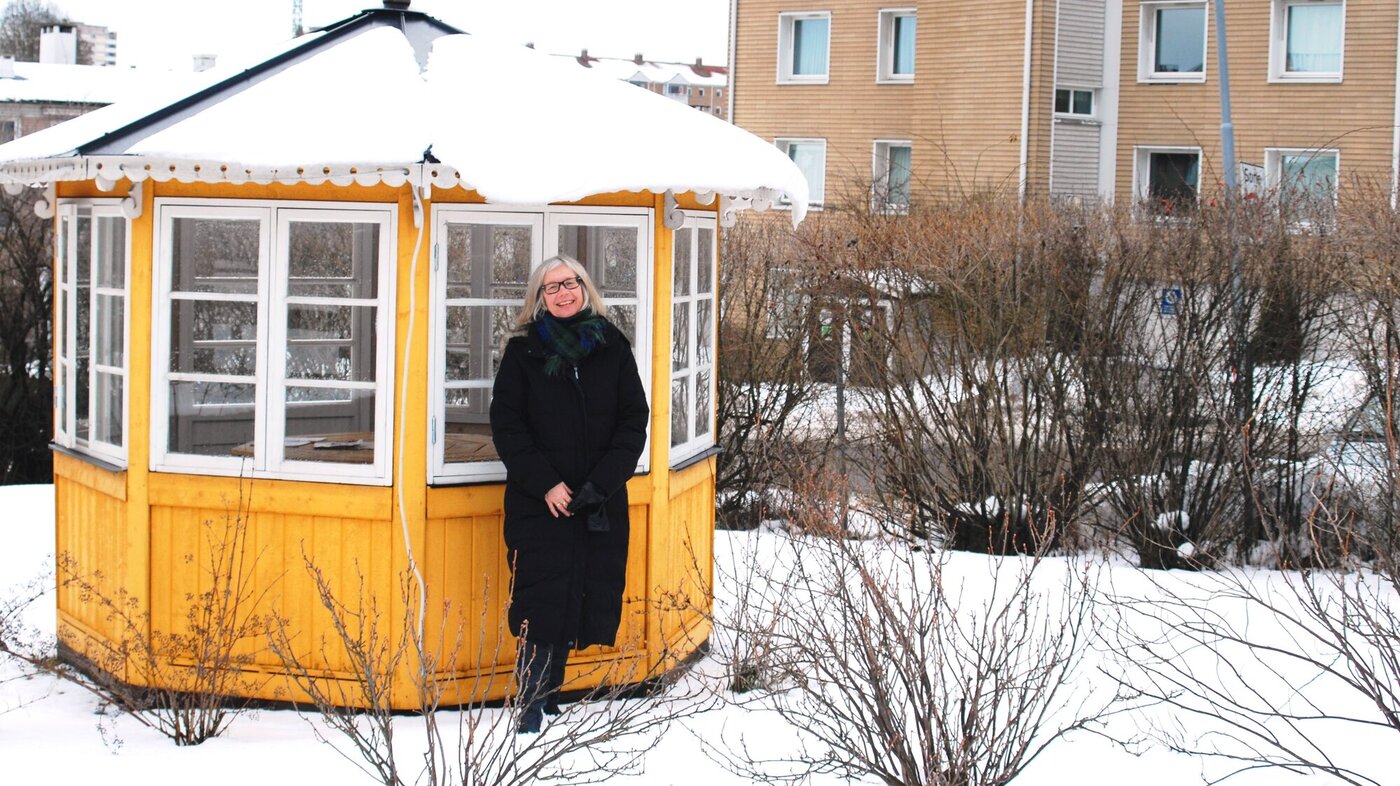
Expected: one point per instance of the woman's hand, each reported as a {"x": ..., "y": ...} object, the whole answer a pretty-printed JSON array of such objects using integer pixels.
[{"x": 558, "y": 499}]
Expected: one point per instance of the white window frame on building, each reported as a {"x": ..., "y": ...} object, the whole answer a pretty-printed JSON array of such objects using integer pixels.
[
  {"x": 882, "y": 172},
  {"x": 92, "y": 332},
  {"x": 1148, "y": 39},
  {"x": 1073, "y": 105},
  {"x": 544, "y": 225},
  {"x": 817, "y": 191},
  {"x": 1275, "y": 159},
  {"x": 1280, "y": 18},
  {"x": 887, "y": 69},
  {"x": 1142, "y": 166},
  {"x": 787, "y": 50},
  {"x": 786, "y": 305},
  {"x": 10, "y": 129},
  {"x": 695, "y": 267},
  {"x": 273, "y": 453}
]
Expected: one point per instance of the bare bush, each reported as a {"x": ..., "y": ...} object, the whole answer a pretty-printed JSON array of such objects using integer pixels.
[
  {"x": 26, "y": 309},
  {"x": 604, "y": 732},
  {"x": 20, "y": 643},
  {"x": 895, "y": 660},
  {"x": 184, "y": 683}
]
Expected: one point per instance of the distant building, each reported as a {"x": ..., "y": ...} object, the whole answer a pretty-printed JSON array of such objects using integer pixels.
[
  {"x": 696, "y": 84},
  {"x": 77, "y": 44}
]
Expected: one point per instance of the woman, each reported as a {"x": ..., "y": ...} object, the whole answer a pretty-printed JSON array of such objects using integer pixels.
[{"x": 569, "y": 419}]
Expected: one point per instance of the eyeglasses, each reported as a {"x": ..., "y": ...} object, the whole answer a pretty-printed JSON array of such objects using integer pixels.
[{"x": 568, "y": 283}]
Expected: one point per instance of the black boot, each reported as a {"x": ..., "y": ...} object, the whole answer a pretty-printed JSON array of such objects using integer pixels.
[
  {"x": 532, "y": 686},
  {"x": 558, "y": 659}
]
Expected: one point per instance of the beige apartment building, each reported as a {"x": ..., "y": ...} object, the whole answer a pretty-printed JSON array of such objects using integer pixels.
[{"x": 895, "y": 102}]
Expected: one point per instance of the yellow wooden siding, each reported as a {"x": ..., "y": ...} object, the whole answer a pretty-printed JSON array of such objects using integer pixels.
[
  {"x": 92, "y": 547},
  {"x": 1356, "y": 116}
]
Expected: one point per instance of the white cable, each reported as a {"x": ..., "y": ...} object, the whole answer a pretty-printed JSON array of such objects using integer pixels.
[{"x": 403, "y": 405}]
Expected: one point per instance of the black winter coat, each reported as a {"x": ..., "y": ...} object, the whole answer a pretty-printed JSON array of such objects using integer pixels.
[{"x": 587, "y": 424}]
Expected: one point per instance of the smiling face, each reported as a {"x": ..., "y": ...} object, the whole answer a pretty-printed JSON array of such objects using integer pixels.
[{"x": 566, "y": 302}]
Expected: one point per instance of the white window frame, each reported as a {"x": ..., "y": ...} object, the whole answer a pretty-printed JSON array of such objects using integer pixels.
[
  {"x": 1273, "y": 164},
  {"x": 1278, "y": 45},
  {"x": 884, "y": 68},
  {"x": 816, "y": 200},
  {"x": 1142, "y": 169},
  {"x": 786, "y": 25},
  {"x": 65, "y": 394},
  {"x": 1072, "y": 115},
  {"x": 880, "y": 173},
  {"x": 269, "y": 407},
  {"x": 547, "y": 221},
  {"x": 697, "y": 221},
  {"x": 782, "y": 301},
  {"x": 1147, "y": 43}
]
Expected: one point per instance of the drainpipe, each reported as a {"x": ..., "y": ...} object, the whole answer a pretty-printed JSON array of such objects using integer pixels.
[{"x": 1026, "y": 102}]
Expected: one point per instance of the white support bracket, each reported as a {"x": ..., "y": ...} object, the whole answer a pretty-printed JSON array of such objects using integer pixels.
[
  {"x": 728, "y": 211},
  {"x": 674, "y": 216},
  {"x": 132, "y": 204},
  {"x": 44, "y": 207}
]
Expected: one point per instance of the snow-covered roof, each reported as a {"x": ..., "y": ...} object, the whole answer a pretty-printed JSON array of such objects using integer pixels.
[
  {"x": 83, "y": 84},
  {"x": 656, "y": 72},
  {"x": 366, "y": 99}
]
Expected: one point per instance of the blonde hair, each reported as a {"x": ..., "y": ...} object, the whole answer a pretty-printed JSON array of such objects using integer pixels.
[{"x": 534, "y": 290}]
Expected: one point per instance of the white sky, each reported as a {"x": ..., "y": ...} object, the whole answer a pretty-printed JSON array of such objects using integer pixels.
[{"x": 167, "y": 33}]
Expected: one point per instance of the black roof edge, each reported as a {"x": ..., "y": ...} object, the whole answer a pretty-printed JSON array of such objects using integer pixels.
[{"x": 116, "y": 142}]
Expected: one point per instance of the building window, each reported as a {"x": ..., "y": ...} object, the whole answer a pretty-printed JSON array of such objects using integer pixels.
[
  {"x": 482, "y": 260},
  {"x": 1172, "y": 44},
  {"x": 1167, "y": 179},
  {"x": 804, "y": 45},
  {"x": 897, "y": 34},
  {"x": 90, "y": 336},
  {"x": 676, "y": 90},
  {"x": 892, "y": 167},
  {"x": 1074, "y": 102},
  {"x": 1304, "y": 180},
  {"x": 786, "y": 304},
  {"x": 693, "y": 337},
  {"x": 9, "y": 130},
  {"x": 810, "y": 157},
  {"x": 277, "y": 323},
  {"x": 1306, "y": 44}
]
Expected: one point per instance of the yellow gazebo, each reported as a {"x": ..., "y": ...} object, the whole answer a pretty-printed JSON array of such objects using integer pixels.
[{"x": 284, "y": 291}]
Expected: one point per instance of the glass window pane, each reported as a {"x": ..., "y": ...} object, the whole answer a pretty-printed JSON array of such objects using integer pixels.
[
  {"x": 216, "y": 255},
  {"x": 459, "y": 342},
  {"x": 625, "y": 318},
  {"x": 1172, "y": 179},
  {"x": 1181, "y": 40},
  {"x": 82, "y": 275},
  {"x": 705, "y": 261},
  {"x": 900, "y": 160},
  {"x": 107, "y": 408},
  {"x": 213, "y": 337},
  {"x": 467, "y": 433},
  {"x": 680, "y": 411},
  {"x": 904, "y": 44},
  {"x": 331, "y": 342},
  {"x": 1308, "y": 175},
  {"x": 330, "y": 425},
  {"x": 680, "y": 337},
  {"x": 680, "y": 264},
  {"x": 81, "y": 391},
  {"x": 1314, "y": 38},
  {"x": 333, "y": 259},
  {"x": 810, "y": 157},
  {"x": 111, "y": 252},
  {"x": 1062, "y": 101},
  {"x": 704, "y": 331},
  {"x": 211, "y": 418},
  {"x": 111, "y": 324},
  {"x": 809, "y": 46},
  {"x": 609, "y": 254},
  {"x": 702, "y": 403},
  {"x": 488, "y": 260}
]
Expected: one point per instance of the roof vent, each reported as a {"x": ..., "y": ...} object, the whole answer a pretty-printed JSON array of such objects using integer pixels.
[
  {"x": 398, "y": 5},
  {"x": 637, "y": 58}
]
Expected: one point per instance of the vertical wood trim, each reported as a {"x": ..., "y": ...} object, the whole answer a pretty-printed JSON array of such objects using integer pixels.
[
  {"x": 659, "y": 507},
  {"x": 140, "y": 236}
]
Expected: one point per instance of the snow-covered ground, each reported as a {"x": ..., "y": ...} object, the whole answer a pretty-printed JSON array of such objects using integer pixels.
[{"x": 55, "y": 732}]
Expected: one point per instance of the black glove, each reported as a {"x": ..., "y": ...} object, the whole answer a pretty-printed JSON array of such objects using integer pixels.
[{"x": 590, "y": 500}]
